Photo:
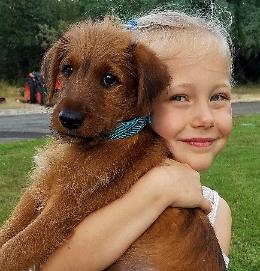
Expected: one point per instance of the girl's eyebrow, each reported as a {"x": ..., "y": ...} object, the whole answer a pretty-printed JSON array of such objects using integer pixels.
[
  {"x": 185, "y": 85},
  {"x": 225, "y": 85},
  {"x": 189, "y": 85}
]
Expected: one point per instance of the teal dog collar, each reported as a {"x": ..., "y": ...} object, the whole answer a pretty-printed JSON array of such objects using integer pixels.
[{"x": 130, "y": 128}]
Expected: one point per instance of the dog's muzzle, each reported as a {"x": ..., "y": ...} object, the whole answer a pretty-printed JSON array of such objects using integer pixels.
[{"x": 71, "y": 119}]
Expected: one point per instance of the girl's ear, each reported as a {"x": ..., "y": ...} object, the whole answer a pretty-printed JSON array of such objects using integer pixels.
[
  {"x": 50, "y": 68},
  {"x": 153, "y": 77}
]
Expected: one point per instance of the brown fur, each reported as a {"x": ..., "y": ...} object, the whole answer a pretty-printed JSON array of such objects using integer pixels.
[{"x": 80, "y": 172}]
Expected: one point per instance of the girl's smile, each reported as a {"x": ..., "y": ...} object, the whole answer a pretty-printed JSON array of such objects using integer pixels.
[{"x": 199, "y": 142}]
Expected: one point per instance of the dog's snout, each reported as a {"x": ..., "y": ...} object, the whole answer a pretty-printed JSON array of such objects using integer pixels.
[{"x": 71, "y": 119}]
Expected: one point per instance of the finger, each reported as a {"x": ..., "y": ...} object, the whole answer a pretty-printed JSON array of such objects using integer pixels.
[
  {"x": 167, "y": 162},
  {"x": 206, "y": 206},
  {"x": 172, "y": 162}
]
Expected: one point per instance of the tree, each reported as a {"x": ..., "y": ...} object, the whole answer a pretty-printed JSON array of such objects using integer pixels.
[
  {"x": 28, "y": 27},
  {"x": 246, "y": 36}
]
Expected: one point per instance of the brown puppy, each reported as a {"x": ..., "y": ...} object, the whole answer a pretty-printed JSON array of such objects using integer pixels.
[{"x": 106, "y": 79}]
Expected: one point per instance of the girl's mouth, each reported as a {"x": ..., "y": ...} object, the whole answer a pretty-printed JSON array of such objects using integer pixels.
[{"x": 199, "y": 142}]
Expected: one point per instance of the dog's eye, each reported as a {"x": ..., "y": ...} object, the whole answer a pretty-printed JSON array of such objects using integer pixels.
[
  {"x": 67, "y": 70},
  {"x": 109, "y": 79}
]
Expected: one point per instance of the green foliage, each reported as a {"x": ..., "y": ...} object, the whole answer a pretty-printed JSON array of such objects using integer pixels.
[
  {"x": 234, "y": 174},
  {"x": 246, "y": 35},
  {"x": 28, "y": 27},
  {"x": 123, "y": 8},
  {"x": 48, "y": 34}
]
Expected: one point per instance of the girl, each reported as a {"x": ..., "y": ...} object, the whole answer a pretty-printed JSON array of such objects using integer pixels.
[{"x": 194, "y": 116}]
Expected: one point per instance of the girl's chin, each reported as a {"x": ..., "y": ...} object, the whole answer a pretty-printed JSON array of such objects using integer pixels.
[
  {"x": 199, "y": 161},
  {"x": 201, "y": 168},
  {"x": 198, "y": 165}
]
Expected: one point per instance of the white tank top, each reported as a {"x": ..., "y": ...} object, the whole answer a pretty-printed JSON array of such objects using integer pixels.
[{"x": 213, "y": 197}]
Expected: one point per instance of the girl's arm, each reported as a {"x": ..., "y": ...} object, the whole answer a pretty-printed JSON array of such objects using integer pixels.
[
  {"x": 104, "y": 235},
  {"x": 222, "y": 226}
]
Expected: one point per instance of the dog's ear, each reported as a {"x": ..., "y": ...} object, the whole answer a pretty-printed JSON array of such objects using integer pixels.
[
  {"x": 153, "y": 77},
  {"x": 50, "y": 68}
]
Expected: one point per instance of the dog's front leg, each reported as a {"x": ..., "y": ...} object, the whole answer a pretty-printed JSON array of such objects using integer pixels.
[
  {"x": 38, "y": 240},
  {"x": 23, "y": 214}
]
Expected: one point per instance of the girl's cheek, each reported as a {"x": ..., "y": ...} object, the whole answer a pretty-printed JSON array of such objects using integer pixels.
[
  {"x": 230, "y": 110},
  {"x": 225, "y": 122},
  {"x": 229, "y": 128},
  {"x": 159, "y": 126},
  {"x": 161, "y": 123},
  {"x": 230, "y": 118}
]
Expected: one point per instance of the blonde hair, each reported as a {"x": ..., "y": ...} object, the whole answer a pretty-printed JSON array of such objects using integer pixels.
[{"x": 160, "y": 26}]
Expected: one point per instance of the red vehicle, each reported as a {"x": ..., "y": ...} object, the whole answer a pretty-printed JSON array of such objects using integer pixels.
[{"x": 34, "y": 89}]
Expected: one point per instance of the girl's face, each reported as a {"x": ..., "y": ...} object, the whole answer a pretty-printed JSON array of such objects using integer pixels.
[{"x": 194, "y": 113}]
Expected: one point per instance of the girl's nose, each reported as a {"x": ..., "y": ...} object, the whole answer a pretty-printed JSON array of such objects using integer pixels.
[{"x": 202, "y": 117}]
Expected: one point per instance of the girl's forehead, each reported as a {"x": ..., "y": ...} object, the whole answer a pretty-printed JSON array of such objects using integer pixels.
[
  {"x": 195, "y": 48},
  {"x": 190, "y": 44}
]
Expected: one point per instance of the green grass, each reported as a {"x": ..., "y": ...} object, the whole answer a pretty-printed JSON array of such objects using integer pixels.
[
  {"x": 247, "y": 89},
  {"x": 12, "y": 96},
  {"x": 235, "y": 175},
  {"x": 15, "y": 164},
  {"x": 8, "y": 91}
]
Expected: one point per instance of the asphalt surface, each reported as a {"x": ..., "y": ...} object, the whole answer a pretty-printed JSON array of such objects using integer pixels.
[
  {"x": 246, "y": 108},
  {"x": 17, "y": 127}
]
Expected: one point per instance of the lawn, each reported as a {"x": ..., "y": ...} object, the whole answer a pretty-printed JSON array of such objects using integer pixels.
[
  {"x": 247, "y": 89},
  {"x": 12, "y": 96},
  {"x": 235, "y": 175}
]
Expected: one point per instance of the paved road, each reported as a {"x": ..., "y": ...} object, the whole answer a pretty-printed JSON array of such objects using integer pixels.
[
  {"x": 18, "y": 127},
  {"x": 37, "y": 125},
  {"x": 245, "y": 108}
]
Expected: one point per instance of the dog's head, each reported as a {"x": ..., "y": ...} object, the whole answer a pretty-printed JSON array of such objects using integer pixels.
[{"x": 105, "y": 78}]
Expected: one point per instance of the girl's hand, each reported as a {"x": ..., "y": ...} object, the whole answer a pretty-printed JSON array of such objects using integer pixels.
[{"x": 178, "y": 185}]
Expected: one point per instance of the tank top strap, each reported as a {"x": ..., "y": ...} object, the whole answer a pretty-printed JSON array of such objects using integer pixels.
[
  {"x": 226, "y": 259},
  {"x": 213, "y": 197}
]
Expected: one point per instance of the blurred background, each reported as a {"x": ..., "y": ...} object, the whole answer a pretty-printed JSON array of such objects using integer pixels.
[{"x": 28, "y": 27}]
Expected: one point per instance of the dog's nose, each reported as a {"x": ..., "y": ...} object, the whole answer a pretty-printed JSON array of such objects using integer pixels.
[{"x": 71, "y": 119}]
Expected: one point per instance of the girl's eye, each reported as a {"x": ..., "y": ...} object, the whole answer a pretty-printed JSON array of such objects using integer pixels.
[
  {"x": 109, "y": 80},
  {"x": 67, "y": 70},
  {"x": 219, "y": 97},
  {"x": 179, "y": 98}
]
